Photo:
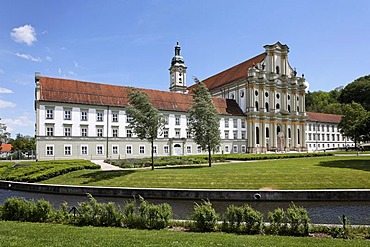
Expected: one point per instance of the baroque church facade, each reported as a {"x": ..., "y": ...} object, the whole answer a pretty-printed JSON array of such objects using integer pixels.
[{"x": 261, "y": 103}]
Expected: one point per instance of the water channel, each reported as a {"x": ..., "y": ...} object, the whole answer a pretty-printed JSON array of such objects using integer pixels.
[{"x": 319, "y": 212}]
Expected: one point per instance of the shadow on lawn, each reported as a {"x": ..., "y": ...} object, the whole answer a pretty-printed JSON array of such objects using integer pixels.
[
  {"x": 104, "y": 175},
  {"x": 363, "y": 165}
]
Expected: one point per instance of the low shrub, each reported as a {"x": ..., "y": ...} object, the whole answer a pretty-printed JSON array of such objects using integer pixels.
[
  {"x": 253, "y": 220},
  {"x": 278, "y": 222},
  {"x": 204, "y": 217},
  {"x": 243, "y": 219}
]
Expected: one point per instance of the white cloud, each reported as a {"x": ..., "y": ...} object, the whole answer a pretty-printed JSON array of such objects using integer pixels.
[
  {"x": 24, "y": 34},
  {"x": 6, "y": 104},
  {"x": 29, "y": 57},
  {"x": 5, "y": 90},
  {"x": 60, "y": 71},
  {"x": 71, "y": 73},
  {"x": 76, "y": 64},
  {"x": 18, "y": 123}
]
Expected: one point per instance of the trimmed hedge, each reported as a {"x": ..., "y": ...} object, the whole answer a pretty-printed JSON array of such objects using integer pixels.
[
  {"x": 42, "y": 170},
  {"x": 270, "y": 156}
]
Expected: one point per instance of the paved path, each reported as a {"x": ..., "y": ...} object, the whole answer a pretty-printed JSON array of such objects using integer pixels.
[{"x": 105, "y": 166}]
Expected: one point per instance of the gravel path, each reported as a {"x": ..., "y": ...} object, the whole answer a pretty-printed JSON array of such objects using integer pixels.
[{"x": 104, "y": 166}]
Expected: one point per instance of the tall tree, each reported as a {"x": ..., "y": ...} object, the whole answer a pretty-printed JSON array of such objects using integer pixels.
[
  {"x": 204, "y": 120},
  {"x": 146, "y": 121},
  {"x": 353, "y": 121},
  {"x": 23, "y": 143},
  {"x": 357, "y": 91}
]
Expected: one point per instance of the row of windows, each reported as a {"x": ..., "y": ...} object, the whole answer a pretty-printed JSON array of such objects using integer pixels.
[
  {"x": 235, "y": 123},
  {"x": 232, "y": 96},
  {"x": 323, "y": 145},
  {"x": 99, "y": 150},
  {"x": 313, "y": 137},
  {"x": 277, "y": 106},
  {"x": 313, "y": 127},
  {"x": 84, "y": 114}
]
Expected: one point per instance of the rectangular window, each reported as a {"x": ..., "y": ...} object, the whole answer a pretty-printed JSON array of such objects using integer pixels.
[
  {"x": 141, "y": 149},
  {"x": 128, "y": 119},
  {"x": 115, "y": 132},
  {"x": 128, "y": 149},
  {"x": 49, "y": 114},
  {"x": 235, "y": 133},
  {"x": 333, "y": 137},
  {"x": 327, "y": 128},
  {"x": 49, "y": 131},
  {"x": 235, "y": 149},
  {"x": 227, "y": 149},
  {"x": 309, "y": 137},
  {"x": 177, "y": 120},
  {"x": 309, "y": 127},
  {"x": 49, "y": 150},
  {"x": 84, "y": 115},
  {"x": 114, "y": 117},
  {"x": 243, "y": 135},
  {"x": 187, "y": 121},
  {"x": 67, "y": 150},
  {"x": 177, "y": 133},
  {"x": 99, "y": 116},
  {"x": 327, "y": 137},
  {"x": 338, "y": 138},
  {"x": 188, "y": 134},
  {"x": 313, "y": 127},
  {"x": 226, "y": 134},
  {"x": 67, "y": 131},
  {"x": 128, "y": 133},
  {"x": 166, "y": 149},
  {"x": 243, "y": 123},
  {"x": 332, "y": 128},
  {"x": 323, "y": 128},
  {"x": 84, "y": 150},
  {"x": 188, "y": 149},
  {"x": 199, "y": 149},
  {"x": 99, "y": 132},
  {"x": 99, "y": 150},
  {"x": 155, "y": 149},
  {"x": 235, "y": 123},
  {"x": 226, "y": 123},
  {"x": 67, "y": 115},
  {"x": 165, "y": 133},
  {"x": 84, "y": 131},
  {"x": 115, "y": 149},
  {"x": 243, "y": 149}
]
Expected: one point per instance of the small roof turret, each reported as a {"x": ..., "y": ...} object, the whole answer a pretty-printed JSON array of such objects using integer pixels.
[{"x": 177, "y": 59}]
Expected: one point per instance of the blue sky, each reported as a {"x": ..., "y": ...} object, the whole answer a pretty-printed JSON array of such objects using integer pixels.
[{"x": 132, "y": 42}]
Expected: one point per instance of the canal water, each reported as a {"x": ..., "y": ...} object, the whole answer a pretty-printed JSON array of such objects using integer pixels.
[{"x": 319, "y": 212}]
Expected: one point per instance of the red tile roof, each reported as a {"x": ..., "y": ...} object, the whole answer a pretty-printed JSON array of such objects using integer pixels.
[
  {"x": 78, "y": 92},
  {"x": 5, "y": 147},
  {"x": 232, "y": 74},
  {"x": 323, "y": 117}
]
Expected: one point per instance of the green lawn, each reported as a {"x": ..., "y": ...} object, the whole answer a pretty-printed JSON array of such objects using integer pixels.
[
  {"x": 303, "y": 173},
  {"x": 36, "y": 234}
]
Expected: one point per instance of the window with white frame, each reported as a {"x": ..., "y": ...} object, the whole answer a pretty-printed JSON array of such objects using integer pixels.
[
  {"x": 243, "y": 149},
  {"x": 226, "y": 133},
  {"x": 128, "y": 149},
  {"x": 114, "y": 149},
  {"x": 188, "y": 134},
  {"x": 243, "y": 123},
  {"x": 99, "y": 116},
  {"x": 67, "y": 150},
  {"x": 188, "y": 149},
  {"x": 115, "y": 132},
  {"x": 227, "y": 149},
  {"x": 187, "y": 121},
  {"x": 243, "y": 135},
  {"x": 49, "y": 131},
  {"x": 128, "y": 119},
  {"x": 226, "y": 123},
  {"x": 99, "y": 150},
  {"x": 84, "y": 150},
  {"x": 177, "y": 120},
  {"x": 83, "y": 115},
  {"x": 114, "y": 117},
  {"x": 141, "y": 149},
  {"x": 67, "y": 114},
  {"x": 155, "y": 148},
  {"x": 99, "y": 132},
  {"x": 165, "y": 133},
  {"x": 235, "y": 123},
  {"x": 235, "y": 149},
  {"x": 84, "y": 131},
  {"x": 67, "y": 131},
  {"x": 49, "y": 113},
  {"x": 166, "y": 149},
  {"x": 199, "y": 149},
  {"x": 177, "y": 133},
  {"x": 128, "y": 133},
  {"x": 235, "y": 133},
  {"x": 50, "y": 150}
]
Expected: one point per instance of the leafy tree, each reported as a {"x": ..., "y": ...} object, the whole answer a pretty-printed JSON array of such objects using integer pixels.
[
  {"x": 4, "y": 135},
  {"x": 357, "y": 91},
  {"x": 352, "y": 124},
  {"x": 146, "y": 122},
  {"x": 23, "y": 143},
  {"x": 204, "y": 120},
  {"x": 324, "y": 102}
]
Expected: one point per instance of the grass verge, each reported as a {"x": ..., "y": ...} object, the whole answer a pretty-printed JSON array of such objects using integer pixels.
[{"x": 36, "y": 234}]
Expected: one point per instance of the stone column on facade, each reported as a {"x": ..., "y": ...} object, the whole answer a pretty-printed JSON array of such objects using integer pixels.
[
  {"x": 272, "y": 99},
  {"x": 263, "y": 135},
  {"x": 250, "y": 135},
  {"x": 286, "y": 136},
  {"x": 284, "y": 100},
  {"x": 261, "y": 102},
  {"x": 294, "y": 101},
  {"x": 273, "y": 134},
  {"x": 303, "y": 135},
  {"x": 254, "y": 137},
  {"x": 303, "y": 108},
  {"x": 294, "y": 135}
]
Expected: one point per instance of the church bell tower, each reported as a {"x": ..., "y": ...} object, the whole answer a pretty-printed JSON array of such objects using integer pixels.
[{"x": 178, "y": 72}]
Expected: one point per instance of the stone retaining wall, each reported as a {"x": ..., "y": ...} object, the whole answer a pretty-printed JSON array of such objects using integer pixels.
[{"x": 195, "y": 194}]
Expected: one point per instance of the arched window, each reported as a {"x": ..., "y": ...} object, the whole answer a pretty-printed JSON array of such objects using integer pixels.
[
  {"x": 289, "y": 134},
  {"x": 277, "y": 70},
  {"x": 257, "y": 135},
  {"x": 278, "y": 106},
  {"x": 256, "y": 105},
  {"x": 267, "y": 132},
  {"x": 288, "y": 108},
  {"x": 278, "y": 129},
  {"x": 297, "y": 108},
  {"x": 267, "y": 106},
  {"x": 299, "y": 139}
]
